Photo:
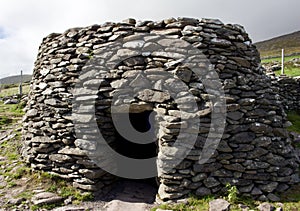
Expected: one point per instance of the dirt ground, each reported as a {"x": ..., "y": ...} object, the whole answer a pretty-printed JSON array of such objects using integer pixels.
[{"x": 126, "y": 195}]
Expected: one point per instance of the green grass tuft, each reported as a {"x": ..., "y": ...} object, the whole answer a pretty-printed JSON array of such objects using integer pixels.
[
  {"x": 194, "y": 204},
  {"x": 294, "y": 118}
]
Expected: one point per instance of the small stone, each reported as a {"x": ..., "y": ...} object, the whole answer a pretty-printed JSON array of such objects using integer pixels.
[
  {"x": 134, "y": 61},
  {"x": 148, "y": 95},
  {"x": 221, "y": 42},
  {"x": 243, "y": 137},
  {"x": 44, "y": 72},
  {"x": 92, "y": 174},
  {"x": 95, "y": 187},
  {"x": 202, "y": 191},
  {"x": 241, "y": 61},
  {"x": 219, "y": 205},
  {"x": 85, "y": 144},
  {"x": 211, "y": 182},
  {"x": 140, "y": 81},
  {"x": 11, "y": 101},
  {"x": 46, "y": 198},
  {"x": 43, "y": 139},
  {"x": 164, "y": 195},
  {"x": 184, "y": 74},
  {"x": 167, "y": 31},
  {"x": 266, "y": 207},
  {"x": 52, "y": 102},
  {"x": 130, "y": 21},
  {"x": 273, "y": 197},
  {"x": 72, "y": 151},
  {"x": 60, "y": 158},
  {"x": 16, "y": 201},
  {"x": 32, "y": 113},
  {"x": 199, "y": 177},
  {"x": 260, "y": 128}
]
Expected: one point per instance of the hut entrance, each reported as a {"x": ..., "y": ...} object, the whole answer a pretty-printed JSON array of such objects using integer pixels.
[{"x": 142, "y": 122}]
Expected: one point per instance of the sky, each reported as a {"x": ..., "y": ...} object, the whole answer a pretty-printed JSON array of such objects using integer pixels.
[{"x": 23, "y": 24}]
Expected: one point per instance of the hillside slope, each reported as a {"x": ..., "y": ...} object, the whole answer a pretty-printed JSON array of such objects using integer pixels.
[
  {"x": 272, "y": 48},
  {"x": 15, "y": 79}
]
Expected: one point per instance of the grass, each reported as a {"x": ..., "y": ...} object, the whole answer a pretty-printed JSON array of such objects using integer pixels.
[
  {"x": 13, "y": 90},
  {"x": 291, "y": 199},
  {"x": 278, "y": 59},
  {"x": 10, "y": 114},
  {"x": 64, "y": 188},
  {"x": 193, "y": 204},
  {"x": 294, "y": 118},
  {"x": 291, "y": 202},
  {"x": 290, "y": 69}
]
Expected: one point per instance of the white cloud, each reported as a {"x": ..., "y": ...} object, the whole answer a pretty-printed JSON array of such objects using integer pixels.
[{"x": 26, "y": 22}]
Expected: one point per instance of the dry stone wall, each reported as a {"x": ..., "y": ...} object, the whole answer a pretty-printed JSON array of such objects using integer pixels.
[
  {"x": 288, "y": 89},
  {"x": 255, "y": 153}
]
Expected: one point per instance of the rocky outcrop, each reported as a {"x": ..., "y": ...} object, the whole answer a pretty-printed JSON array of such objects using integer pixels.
[{"x": 145, "y": 73}]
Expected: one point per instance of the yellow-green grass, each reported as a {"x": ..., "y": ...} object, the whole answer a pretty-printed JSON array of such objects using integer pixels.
[
  {"x": 278, "y": 59},
  {"x": 10, "y": 114},
  {"x": 4, "y": 92},
  {"x": 193, "y": 204},
  {"x": 289, "y": 71}
]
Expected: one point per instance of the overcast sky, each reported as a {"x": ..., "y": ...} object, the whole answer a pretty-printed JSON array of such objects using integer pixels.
[{"x": 24, "y": 23}]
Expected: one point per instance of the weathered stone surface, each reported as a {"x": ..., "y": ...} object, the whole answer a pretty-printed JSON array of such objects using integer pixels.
[
  {"x": 202, "y": 191},
  {"x": 266, "y": 207},
  {"x": 43, "y": 139},
  {"x": 149, "y": 95},
  {"x": 72, "y": 151},
  {"x": 260, "y": 128},
  {"x": 243, "y": 137},
  {"x": 219, "y": 205},
  {"x": 85, "y": 144},
  {"x": 32, "y": 113},
  {"x": 211, "y": 182},
  {"x": 167, "y": 31},
  {"x": 60, "y": 158},
  {"x": 269, "y": 187},
  {"x": 46, "y": 198}
]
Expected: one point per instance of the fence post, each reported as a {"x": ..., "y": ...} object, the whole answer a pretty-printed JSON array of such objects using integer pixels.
[
  {"x": 20, "y": 86},
  {"x": 282, "y": 62}
]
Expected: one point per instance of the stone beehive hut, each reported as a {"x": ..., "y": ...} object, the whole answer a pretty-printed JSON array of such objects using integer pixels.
[{"x": 149, "y": 75}]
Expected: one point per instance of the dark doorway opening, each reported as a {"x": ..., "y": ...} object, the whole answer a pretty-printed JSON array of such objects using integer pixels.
[{"x": 142, "y": 123}]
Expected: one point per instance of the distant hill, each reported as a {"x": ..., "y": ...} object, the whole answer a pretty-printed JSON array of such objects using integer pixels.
[
  {"x": 15, "y": 79},
  {"x": 272, "y": 48}
]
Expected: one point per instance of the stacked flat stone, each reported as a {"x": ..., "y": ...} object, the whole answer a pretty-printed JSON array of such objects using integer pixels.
[
  {"x": 255, "y": 153},
  {"x": 288, "y": 89}
]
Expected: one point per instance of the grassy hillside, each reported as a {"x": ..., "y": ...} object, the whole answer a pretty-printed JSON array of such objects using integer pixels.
[
  {"x": 13, "y": 90},
  {"x": 15, "y": 79},
  {"x": 272, "y": 47}
]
